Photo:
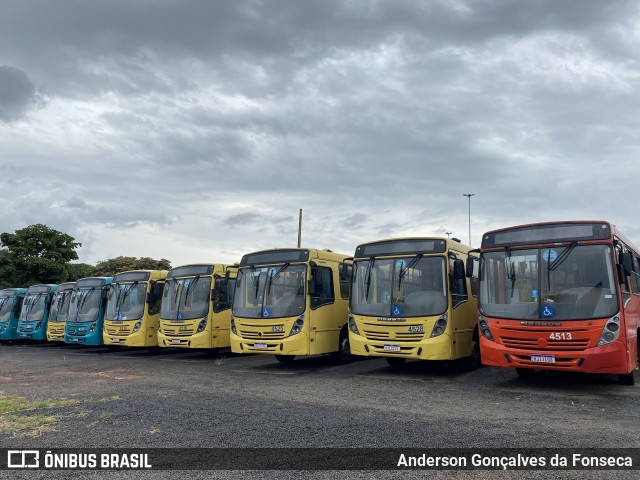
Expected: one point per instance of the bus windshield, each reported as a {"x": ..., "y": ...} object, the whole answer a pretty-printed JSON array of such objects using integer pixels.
[
  {"x": 186, "y": 298},
  {"x": 401, "y": 286},
  {"x": 85, "y": 305},
  {"x": 126, "y": 301},
  {"x": 571, "y": 282},
  {"x": 60, "y": 306},
  {"x": 270, "y": 292},
  {"x": 6, "y": 304},
  {"x": 34, "y": 307}
]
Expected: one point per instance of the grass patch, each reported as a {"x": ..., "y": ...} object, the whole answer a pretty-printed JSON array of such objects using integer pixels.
[
  {"x": 31, "y": 424},
  {"x": 15, "y": 404}
]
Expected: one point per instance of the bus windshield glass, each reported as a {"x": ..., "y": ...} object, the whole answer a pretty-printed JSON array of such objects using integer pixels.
[
  {"x": 399, "y": 287},
  {"x": 570, "y": 282},
  {"x": 270, "y": 292},
  {"x": 85, "y": 305},
  {"x": 186, "y": 298},
  {"x": 60, "y": 306},
  {"x": 6, "y": 305},
  {"x": 126, "y": 301},
  {"x": 34, "y": 307}
]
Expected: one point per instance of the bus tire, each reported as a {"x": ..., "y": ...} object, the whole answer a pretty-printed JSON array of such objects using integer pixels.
[
  {"x": 285, "y": 358},
  {"x": 630, "y": 378},
  {"x": 525, "y": 372},
  {"x": 396, "y": 362},
  {"x": 474, "y": 361},
  {"x": 343, "y": 355}
]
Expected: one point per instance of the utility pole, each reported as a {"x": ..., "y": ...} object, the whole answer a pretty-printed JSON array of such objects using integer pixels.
[
  {"x": 448, "y": 234},
  {"x": 469, "y": 195},
  {"x": 299, "y": 228}
]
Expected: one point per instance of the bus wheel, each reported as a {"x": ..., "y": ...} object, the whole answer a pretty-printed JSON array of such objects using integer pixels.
[
  {"x": 396, "y": 362},
  {"x": 343, "y": 355},
  {"x": 285, "y": 358},
  {"x": 474, "y": 361},
  {"x": 525, "y": 372},
  {"x": 630, "y": 378}
]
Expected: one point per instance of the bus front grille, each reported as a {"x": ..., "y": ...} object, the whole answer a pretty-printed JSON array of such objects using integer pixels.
[
  {"x": 557, "y": 345},
  {"x": 397, "y": 336},
  {"x": 260, "y": 335}
]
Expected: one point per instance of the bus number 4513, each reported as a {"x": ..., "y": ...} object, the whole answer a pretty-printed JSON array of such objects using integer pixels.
[{"x": 560, "y": 336}]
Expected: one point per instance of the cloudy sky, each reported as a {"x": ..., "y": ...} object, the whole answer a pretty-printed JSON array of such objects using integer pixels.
[{"x": 195, "y": 130}]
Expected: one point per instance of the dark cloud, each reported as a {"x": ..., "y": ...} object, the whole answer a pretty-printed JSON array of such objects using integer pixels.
[{"x": 17, "y": 94}]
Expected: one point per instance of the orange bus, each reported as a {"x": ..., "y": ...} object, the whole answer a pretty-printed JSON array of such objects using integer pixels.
[{"x": 559, "y": 296}]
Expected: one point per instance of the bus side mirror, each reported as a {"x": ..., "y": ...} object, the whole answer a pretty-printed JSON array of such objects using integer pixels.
[
  {"x": 472, "y": 267},
  {"x": 626, "y": 260},
  {"x": 311, "y": 288},
  {"x": 622, "y": 274},
  {"x": 458, "y": 269}
]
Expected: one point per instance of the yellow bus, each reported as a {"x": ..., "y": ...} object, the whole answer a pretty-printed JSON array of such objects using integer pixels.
[
  {"x": 59, "y": 311},
  {"x": 133, "y": 308},
  {"x": 196, "y": 306},
  {"x": 410, "y": 298},
  {"x": 291, "y": 302}
]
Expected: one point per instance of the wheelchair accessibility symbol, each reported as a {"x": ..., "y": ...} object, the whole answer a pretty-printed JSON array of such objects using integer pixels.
[
  {"x": 397, "y": 310},
  {"x": 548, "y": 311},
  {"x": 266, "y": 312}
]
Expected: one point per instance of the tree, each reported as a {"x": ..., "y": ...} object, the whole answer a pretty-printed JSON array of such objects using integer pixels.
[
  {"x": 76, "y": 271},
  {"x": 36, "y": 254},
  {"x": 108, "y": 268}
]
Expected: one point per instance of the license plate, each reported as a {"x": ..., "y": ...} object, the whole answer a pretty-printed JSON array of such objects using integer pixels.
[
  {"x": 259, "y": 345},
  {"x": 75, "y": 340},
  {"x": 392, "y": 348},
  {"x": 175, "y": 340},
  {"x": 23, "y": 335},
  {"x": 115, "y": 340},
  {"x": 543, "y": 358}
]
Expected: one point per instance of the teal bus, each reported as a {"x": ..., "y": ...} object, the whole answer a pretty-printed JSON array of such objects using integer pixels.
[
  {"x": 32, "y": 324},
  {"x": 86, "y": 311},
  {"x": 10, "y": 306}
]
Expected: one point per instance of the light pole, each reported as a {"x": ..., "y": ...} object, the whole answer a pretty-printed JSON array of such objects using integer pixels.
[
  {"x": 448, "y": 234},
  {"x": 469, "y": 195}
]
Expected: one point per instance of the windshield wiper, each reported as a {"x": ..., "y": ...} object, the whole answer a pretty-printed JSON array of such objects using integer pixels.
[
  {"x": 562, "y": 257},
  {"x": 4, "y": 300},
  {"x": 123, "y": 292},
  {"x": 275, "y": 276},
  {"x": 86, "y": 295},
  {"x": 367, "y": 279},
  {"x": 191, "y": 286},
  {"x": 511, "y": 271},
  {"x": 33, "y": 302},
  {"x": 410, "y": 265}
]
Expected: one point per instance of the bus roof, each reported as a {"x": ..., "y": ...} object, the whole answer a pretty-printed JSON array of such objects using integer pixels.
[
  {"x": 65, "y": 286},
  {"x": 140, "y": 275},
  {"x": 42, "y": 288},
  {"x": 12, "y": 292},
  {"x": 552, "y": 232},
  {"x": 197, "y": 269},
  {"x": 409, "y": 246},
  {"x": 290, "y": 255}
]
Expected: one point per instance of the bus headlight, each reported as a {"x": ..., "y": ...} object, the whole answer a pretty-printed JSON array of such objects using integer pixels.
[
  {"x": 93, "y": 327},
  {"x": 233, "y": 326},
  {"x": 202, "y": 325},
  {"x": 610, "y": 332},
  {"x": 440, "y": 326},
  {"x": 38, "y": 325},
  {"x": 484, "y": 328},
  {"x": 136, "y": 327},
  {"x": 352, "y": 325},
  {"x": 297, "y": 325}
]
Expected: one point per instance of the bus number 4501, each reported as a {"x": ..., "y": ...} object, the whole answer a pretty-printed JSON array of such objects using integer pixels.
[{"x": 560, "y": 336}]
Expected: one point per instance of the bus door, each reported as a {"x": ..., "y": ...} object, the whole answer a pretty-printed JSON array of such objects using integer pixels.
[{"x": 326, "y": 316}]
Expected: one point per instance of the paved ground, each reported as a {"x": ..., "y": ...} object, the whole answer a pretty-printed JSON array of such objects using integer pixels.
[{"x": 132, "y": 398}]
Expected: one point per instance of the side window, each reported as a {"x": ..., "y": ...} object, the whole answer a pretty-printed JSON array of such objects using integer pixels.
[
  {"x": 321, "y": 291},
  {"x": 473, "y": 279},
  {"x": 635, "y": 276},
  {"x": 346, "y": 272},
  {"x": 223, "y": 291},
  {"x": 155, "y": 298},
  {"x": 457, "y": 281}
]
